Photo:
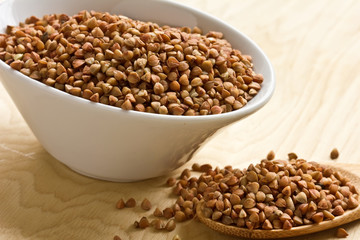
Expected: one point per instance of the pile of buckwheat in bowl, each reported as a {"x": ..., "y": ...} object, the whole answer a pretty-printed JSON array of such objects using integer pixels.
[{"x": 133, "y": 65}]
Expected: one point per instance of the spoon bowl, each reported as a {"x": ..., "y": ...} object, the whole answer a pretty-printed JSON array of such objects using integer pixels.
[
  {"x": 348, "y": 216},
  {"x": 109, "y": 143}
]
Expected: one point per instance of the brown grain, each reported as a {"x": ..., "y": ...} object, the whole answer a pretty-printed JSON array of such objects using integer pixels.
[
  {"x": 170, "y": 225},
  {"x": 120, "y": 204},
  {"x": 341, "y": 233},
  {"x": 270, "y": 156},
  {"x": 146, "y": 204},
  {"x": 334, "y": 154},
  {"x": 130, "y": 203}
]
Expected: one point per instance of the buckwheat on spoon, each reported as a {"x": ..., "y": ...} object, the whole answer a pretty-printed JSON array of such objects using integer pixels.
[
  {"x": 272, "y": 199},
  {"x": 278, "y": 198}
]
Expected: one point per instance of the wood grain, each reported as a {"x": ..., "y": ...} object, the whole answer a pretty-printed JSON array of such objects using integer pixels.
[{"x": 314, "y": 47}]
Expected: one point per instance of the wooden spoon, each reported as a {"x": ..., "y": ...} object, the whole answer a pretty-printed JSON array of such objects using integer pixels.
[{"x": 348, "y": 216}]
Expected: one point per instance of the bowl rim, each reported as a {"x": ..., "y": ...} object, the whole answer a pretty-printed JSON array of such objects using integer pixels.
[{"x": 256, "y": 103}]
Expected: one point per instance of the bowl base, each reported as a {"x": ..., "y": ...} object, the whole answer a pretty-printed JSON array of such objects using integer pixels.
[{"x": 124, "y": 180}]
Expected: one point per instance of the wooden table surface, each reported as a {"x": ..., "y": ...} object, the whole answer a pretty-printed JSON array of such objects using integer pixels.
[{"x": 314, "y": 47}]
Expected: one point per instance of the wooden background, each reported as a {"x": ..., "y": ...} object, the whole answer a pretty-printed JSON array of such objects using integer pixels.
[{"x": 315, "y": 49}]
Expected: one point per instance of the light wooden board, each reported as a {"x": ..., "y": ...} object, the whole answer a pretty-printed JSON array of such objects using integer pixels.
[{"x": 315, "y": 49}]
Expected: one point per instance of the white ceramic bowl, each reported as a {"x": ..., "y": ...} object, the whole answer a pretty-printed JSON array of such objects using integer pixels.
[{"x": 105, "y": 142}]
